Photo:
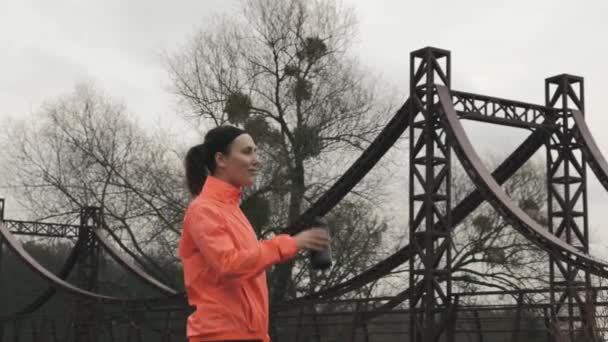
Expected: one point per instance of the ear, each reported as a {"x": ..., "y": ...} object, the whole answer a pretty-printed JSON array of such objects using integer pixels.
[{"x": 220, "y": 160}]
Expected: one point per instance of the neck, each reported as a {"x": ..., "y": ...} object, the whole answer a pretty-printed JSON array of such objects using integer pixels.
[{"x": 222, "y": 177}]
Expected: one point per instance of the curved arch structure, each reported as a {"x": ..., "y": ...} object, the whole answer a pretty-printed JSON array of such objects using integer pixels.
[
  {"x": 590, "y": 149},
  {"x": 500, "y": 200},
  {"x": 59, "y": 283},
  {"x": 505, "y": 170},
  {"x": 133, "y": 268},
  {"x": 63, "y": 274},
  {"x": 53, "y": 280}
]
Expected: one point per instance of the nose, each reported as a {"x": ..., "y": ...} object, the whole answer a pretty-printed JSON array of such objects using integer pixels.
[{"x": 256, "y": 159}]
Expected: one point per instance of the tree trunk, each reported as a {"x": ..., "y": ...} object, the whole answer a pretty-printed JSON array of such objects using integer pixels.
[{"x": 282, "y": 274}]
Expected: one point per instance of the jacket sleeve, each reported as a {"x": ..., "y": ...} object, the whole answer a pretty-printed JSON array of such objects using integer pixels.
[{"x": 211, "y": 237}]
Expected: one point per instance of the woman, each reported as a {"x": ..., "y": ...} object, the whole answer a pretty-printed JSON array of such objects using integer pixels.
[{"x": 224, "y": 263}]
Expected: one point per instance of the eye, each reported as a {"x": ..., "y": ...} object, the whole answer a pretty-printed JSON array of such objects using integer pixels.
[{"x": 249, "y": 150}]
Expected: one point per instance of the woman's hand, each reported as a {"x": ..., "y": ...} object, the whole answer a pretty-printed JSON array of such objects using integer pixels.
[{"x": 314, "y": 238}]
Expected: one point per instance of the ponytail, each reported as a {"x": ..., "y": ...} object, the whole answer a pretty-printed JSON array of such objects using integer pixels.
[
  {"x": 200, "y": 159},
  {"x": 197, "y": 169}
]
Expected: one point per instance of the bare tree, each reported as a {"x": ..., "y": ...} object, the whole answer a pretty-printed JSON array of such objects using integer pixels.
[
  {"x": 282, "y": 70},
  {"x": 491, "y": 254},
  {"x": 82, "y": 150}
]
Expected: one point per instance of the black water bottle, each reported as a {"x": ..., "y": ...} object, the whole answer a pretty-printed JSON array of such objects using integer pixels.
[{"x": 320, "y": 260}]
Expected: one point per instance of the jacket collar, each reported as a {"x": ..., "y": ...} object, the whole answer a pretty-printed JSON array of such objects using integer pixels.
[{"x": 216, "y": 189}]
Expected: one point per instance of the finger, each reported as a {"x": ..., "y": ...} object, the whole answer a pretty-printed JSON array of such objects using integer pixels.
[
  {"x": 318, "y": 230},
  {"x": 322, "y": 239},
  {"x": 319, "y": 245},
  {"x": 320, "y": 235},
  {"x": 313, "y": 232},
  {"x": 317, "y": 248}
]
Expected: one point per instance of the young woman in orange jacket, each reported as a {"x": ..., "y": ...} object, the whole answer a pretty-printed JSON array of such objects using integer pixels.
[{"x": 224, "y": 263}]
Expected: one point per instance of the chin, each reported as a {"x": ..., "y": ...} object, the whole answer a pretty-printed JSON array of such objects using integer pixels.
[{"x": 248, "y": 182}]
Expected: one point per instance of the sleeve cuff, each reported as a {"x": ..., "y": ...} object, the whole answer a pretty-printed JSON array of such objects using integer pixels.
[{"x": 288, "y": 247}]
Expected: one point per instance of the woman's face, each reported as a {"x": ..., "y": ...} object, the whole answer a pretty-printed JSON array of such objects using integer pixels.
[{"x": 240, "y": 165}]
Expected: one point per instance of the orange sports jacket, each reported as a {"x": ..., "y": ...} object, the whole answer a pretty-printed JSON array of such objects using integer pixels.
[{"x": 224, "y": 266}]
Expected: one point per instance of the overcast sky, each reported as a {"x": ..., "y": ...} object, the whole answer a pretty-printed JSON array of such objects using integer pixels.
[{"x": 505, "y": 50}]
